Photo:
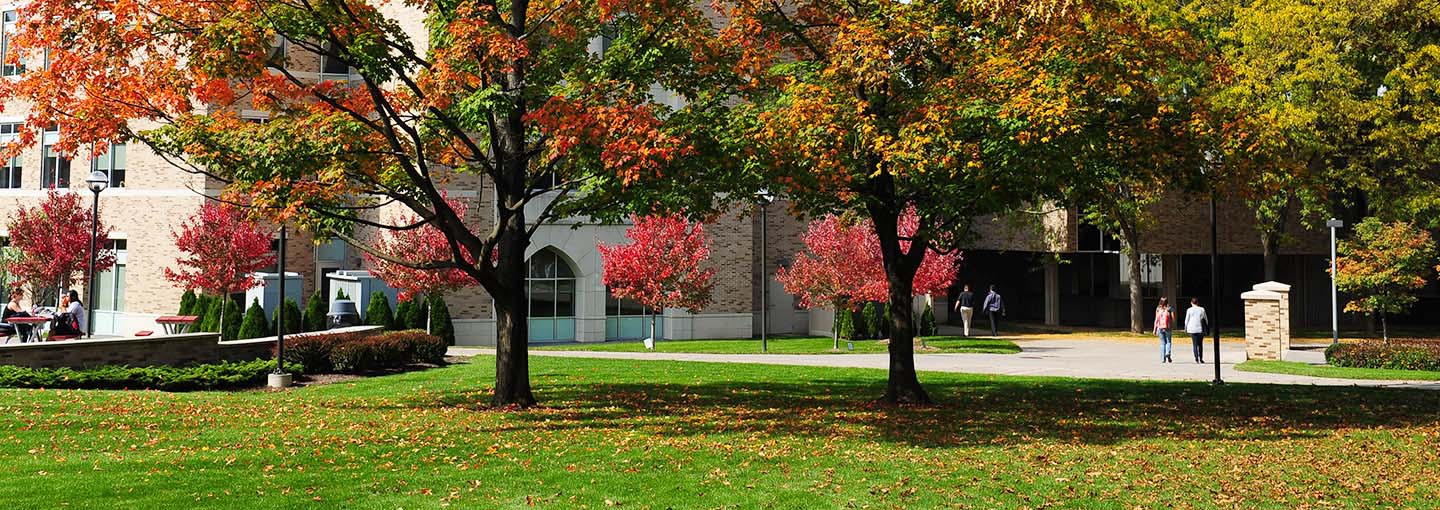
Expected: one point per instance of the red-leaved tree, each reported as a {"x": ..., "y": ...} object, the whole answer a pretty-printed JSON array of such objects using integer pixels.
[
  {"x": 222, "y": 249},
  {"x": 841, "y": 266},
  {"x": 409, "y": 257},
  {"x": 662, "y": 265},
  {"x": 53, "y": 239}
]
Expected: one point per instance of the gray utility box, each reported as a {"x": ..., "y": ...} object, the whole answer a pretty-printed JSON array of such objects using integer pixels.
[
  {"x": 269, "y": 292},
  {"x": 358, "y": 285}
]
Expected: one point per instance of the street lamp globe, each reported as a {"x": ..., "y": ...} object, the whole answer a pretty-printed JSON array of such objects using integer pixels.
[
  {"x": 765, "y": 196},
  {"x": 97, "y": 181}
]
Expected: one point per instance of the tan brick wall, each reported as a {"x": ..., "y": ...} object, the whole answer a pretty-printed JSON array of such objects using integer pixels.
[{"x": 1262, "y": 329}]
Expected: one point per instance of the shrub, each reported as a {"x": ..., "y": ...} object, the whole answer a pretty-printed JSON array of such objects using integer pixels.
[
  {"x": 377, "y": 313},
  {"x": 927, "y": 321},
  {"x": 212, "y": 314},
  {"x": 403, "y": 310},
  {"x": 440, "y": 324},
  {"x": 315, "y": 310},
  {"x": 844, "y": 323},
  {"x": 1397, "y": 354},
  {"x": 858, "y": 323},
  {"x": 187, "y": 302},
  {"x": 254, "y": 324},
  {"x": 354, "y": 353},
  {"x": 340, "y": 294},
  {"x": 292, "y": 317},
  {"x": 230, "y": 329},
  {"x": 418, "y": 314},
  {"x": 201, "y": 311},
  {"x": 194, "y": 377}
]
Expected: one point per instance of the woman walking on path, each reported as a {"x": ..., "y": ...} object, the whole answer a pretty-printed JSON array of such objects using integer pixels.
[
  {"x": 1195, "y": 324},
  {"x": 1164, "y": 319},
  {"x": 966, "y": 306},
  {"x": 993, "y": 305}
]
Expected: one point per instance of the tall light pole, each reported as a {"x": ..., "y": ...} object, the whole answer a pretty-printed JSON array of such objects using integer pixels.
[
  {"x": 764, "y": 198},
  {"x": 1334, "y": 289},
  {"x": 1208, "y": 170},
  {"x": 97, "y": 182}
]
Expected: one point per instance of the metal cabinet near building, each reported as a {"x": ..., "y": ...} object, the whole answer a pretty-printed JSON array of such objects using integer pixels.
[
  {"x": 358, "y": 285},
  {"x": 269, "y": 292}
]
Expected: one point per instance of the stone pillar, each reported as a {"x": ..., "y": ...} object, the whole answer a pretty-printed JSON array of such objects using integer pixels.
[
  {"x": 1284, "y": 291},
  {"x": 1262, "y": 325},
  {"x": 1052, "y": 292}
]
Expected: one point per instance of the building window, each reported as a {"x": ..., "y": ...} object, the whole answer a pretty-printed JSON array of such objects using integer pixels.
[
  {"x": 331, "y": 63},
  {"x": 12, "y": 66},
  {"x": 110, "y": 291},
  {"x": 550, "y": 288},
  {"x": 10, "y": 174},
  {"x": 627, "y": 319},
  {"x": 112, "y": 163},
  {"x": 54, "y": 167}
]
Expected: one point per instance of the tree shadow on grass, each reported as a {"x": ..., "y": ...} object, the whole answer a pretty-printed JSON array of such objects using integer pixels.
[{"x": 973, "y": 410}]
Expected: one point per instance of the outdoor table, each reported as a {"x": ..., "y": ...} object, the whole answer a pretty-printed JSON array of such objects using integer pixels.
[
  {"x": 176, "y": 324},
  {"x": 35, "y": 322}
]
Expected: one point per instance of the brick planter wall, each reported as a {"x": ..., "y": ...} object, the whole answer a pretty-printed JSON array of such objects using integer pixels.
[{"x": 171, "y": 350}]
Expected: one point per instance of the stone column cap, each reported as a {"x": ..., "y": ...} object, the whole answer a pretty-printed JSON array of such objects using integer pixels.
[
  {"x": 1272, "y": 286},
  {"x": 1261, "y": 295}
]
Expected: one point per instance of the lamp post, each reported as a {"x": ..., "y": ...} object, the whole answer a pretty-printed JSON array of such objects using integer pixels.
[
  {"x": 764, "y": 197},
  {"x": 1208, "y": 170},
  {"x": 280, "y": 379},
  {"x": 97, "y": 182},
  {"x": 1334, "y": 289}
]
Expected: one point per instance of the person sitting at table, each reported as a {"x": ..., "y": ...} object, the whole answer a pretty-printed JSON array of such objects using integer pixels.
[
  {"x": 71, "y": 322},
  {"x": 13, "y": 309}
]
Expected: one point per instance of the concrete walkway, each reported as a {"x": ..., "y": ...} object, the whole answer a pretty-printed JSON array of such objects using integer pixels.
[{"x": 1101, "y": 359}]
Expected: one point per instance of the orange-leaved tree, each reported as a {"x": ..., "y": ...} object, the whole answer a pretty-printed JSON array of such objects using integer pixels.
[
  {"x": 963, "y": 109},
  {"x": 368, "y": 104},
  {"x": 1383, "y": 265}
]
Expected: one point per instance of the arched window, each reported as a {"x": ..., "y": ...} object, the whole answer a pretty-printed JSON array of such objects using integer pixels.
[{"x": 550, "y": 288}]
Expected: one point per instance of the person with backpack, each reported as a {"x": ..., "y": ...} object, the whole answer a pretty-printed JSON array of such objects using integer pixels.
[
  {"x": 993, "y": 305},
  {"x": 1164, "y": 320}
]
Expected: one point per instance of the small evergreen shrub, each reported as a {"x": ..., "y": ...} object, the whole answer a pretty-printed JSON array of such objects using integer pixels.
[
  {"x": 403, "y": 310},
  {"x": 195, "y": 377},
  {"x": 212, "y": 314},
  {"x": 440, "y": 324},
  {"x": 187, "y": 303},
  {"x": 418, "y": 314},
  {"x": 340, "y": 295},
  {"x": 377, "y": 313},
  {"x": 858, "y": 323},
  {"x": 845, "y": 323},
  {"x": 201, "y": 311},
  {"x": 254, "y": 324},
  {"x": 292, "y": 317},
  {"x": 315, "y": 310},
  {"x": 230, "y": 330},
  {"x": 1397, "y": 354}
]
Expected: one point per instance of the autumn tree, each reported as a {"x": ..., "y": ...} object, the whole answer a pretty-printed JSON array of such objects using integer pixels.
[
  {"x": 543, "y": 108},
  {"x": 841, "y": 267},
  {"x": 51, "y": 243},
  {"x": 663, "y": 265},
  {"x": 1384, "y": 264},
  {"x": 221, "y": 249},
  {"x": 961, "y": 109},
  {"x": 403, "y": 258},
  {"x": 1140, "y": 137}
]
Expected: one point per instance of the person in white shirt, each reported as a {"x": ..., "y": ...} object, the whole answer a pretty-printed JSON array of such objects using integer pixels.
[
  {"x": 1195, "y": 324},
  {"x": 71, "y": 322}
]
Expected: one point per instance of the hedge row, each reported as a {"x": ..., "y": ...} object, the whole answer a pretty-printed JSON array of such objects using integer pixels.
[
  {"x": 194, "y": 377},
  {"x": 353, "y": 353},
  {"x": 1397, "y": 354}
]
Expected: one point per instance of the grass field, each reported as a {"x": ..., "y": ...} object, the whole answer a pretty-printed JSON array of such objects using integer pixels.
[
  {"x": 1294, "y": 368},
  {"x": 655, "y": 435},
  {"x": 795, "y": 345}
]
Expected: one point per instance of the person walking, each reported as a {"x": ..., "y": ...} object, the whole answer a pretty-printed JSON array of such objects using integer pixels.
[
  {"x": 966, "y": 306},
  {"x": 1164, "y": 320},
  {"x": 993, "y": 304},
  {"x": 1196, "y": 324}
]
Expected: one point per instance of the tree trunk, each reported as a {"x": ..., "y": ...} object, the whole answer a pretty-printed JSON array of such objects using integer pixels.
[
  {"x": 512, "y": 355},
  {"x": 1269, "y": 244},
  {"x": 835, "y": 329},
  {"x": 1384, "y": 329},
  {"x": 903, "y": 386},
  {"x": 1137, "y": 301}
]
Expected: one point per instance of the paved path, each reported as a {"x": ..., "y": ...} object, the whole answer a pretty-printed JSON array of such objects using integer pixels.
[{"x": 1103, "y": 359}]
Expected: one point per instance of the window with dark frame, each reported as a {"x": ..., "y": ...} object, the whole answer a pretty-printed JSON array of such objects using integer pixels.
[
  {"x": 112, "y": 163},
  {"x": 54, "y": 166},
  {"x": 11, "y": 174}
]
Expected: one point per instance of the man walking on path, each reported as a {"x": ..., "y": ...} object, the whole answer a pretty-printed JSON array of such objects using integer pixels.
[
  {"x": 1196, "y": 324},
  {"x": 993, "y": 305},
  {"x": 966, "y": 305}
]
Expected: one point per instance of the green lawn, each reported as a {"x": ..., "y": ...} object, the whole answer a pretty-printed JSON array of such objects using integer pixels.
[
  {"x": 658, "y": 434},
  {"x": 795, "y": 345},
  {"x": 1294, "y": 368}
]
